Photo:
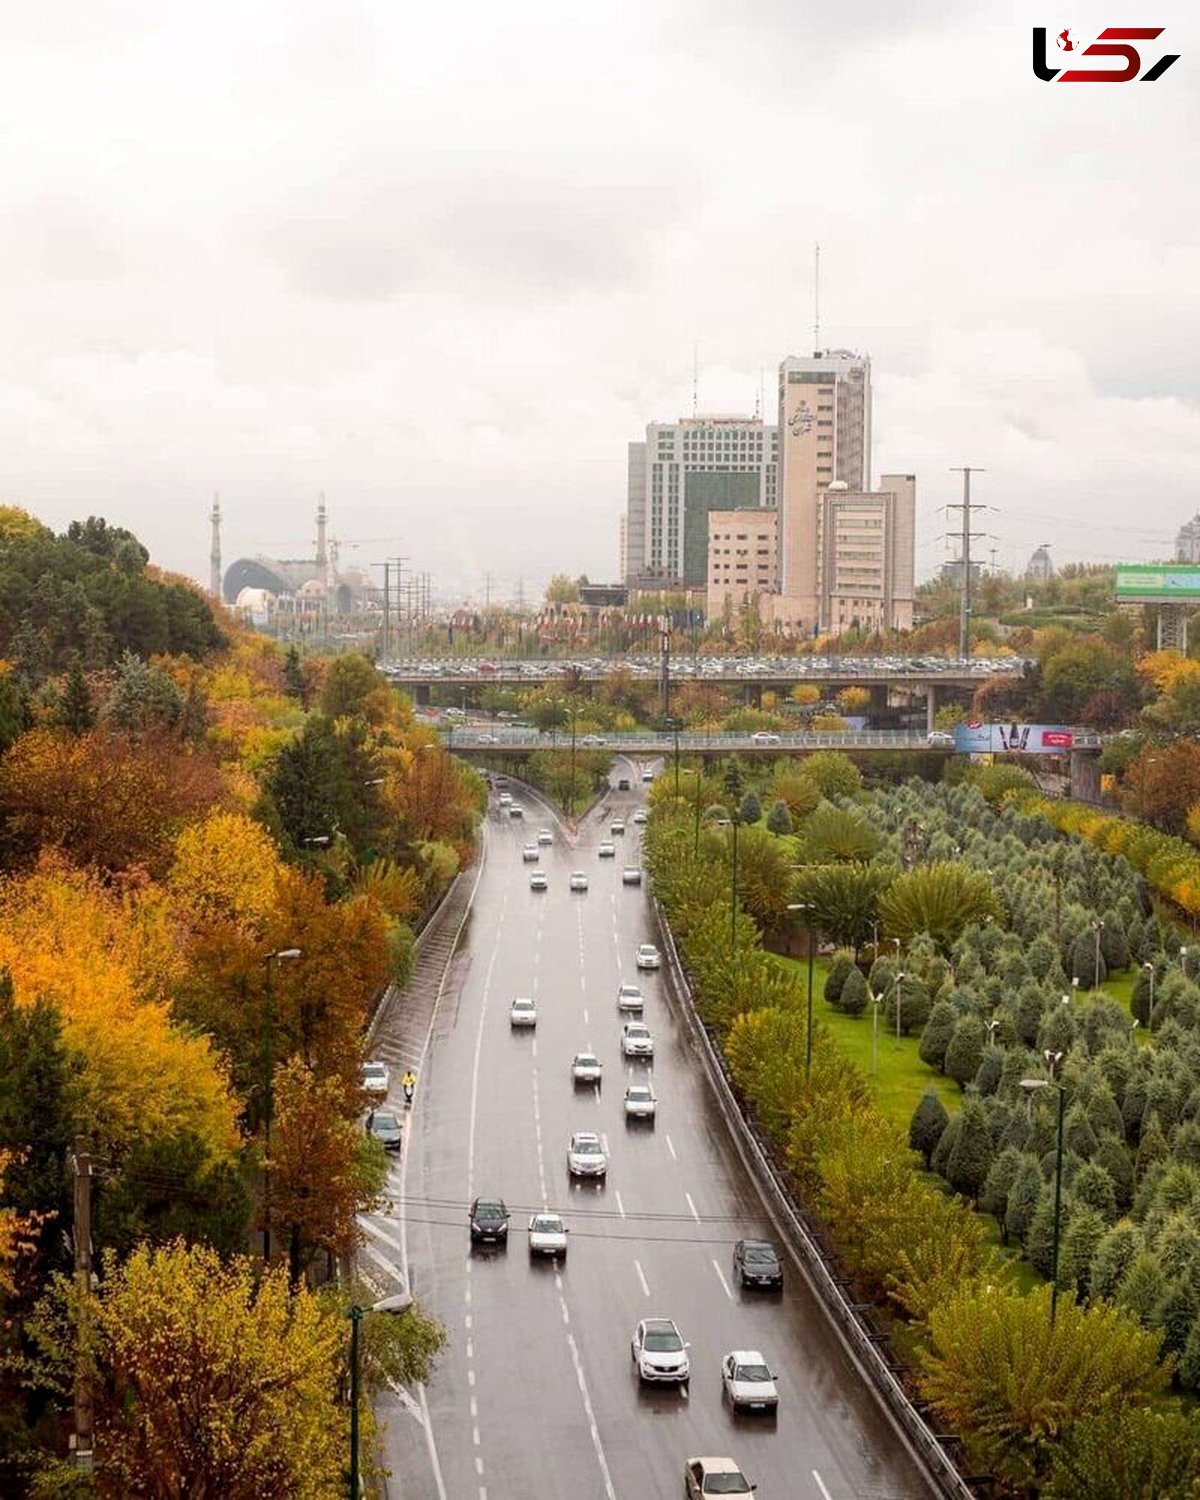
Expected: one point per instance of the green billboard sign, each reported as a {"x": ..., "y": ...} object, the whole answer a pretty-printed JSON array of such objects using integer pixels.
[{"x": 1158, "y": 583}]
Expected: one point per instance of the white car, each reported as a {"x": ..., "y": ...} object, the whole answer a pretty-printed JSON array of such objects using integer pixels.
[
  {"x": 629, "y": 997},
  {"x": 545, "y": 836},
  {"x": 640, "y": 1103},
  {"x": 648, "y": 956},
  {"x": 631, "y": 875},
  {"x": 607, "y": 850},
  {"x": 640, "y": 815},
  {"x": 530, "y": 854},
  {"x": 505, "y": 799},
  {"x": 592, "y": 740},
  {"x": 376, "y": 1078},
  {"x": 636, "y": 1040},
  {"x": 714, "y": 1476},
  {"x": 515, "y": 810},
  {"x": 586, "y": 1068},
  {"x": 538, "y": 881},
  {"x": 659, "y": 1352},
  {"x": 578, "y": 880},
  {"x": 647, "y": 775},
  {"x": 940, "y": 739},
  {"x": 617, "y": 825},
  {"x": 765, "y": 737},
  {"x": 523, "y": 1012},
  {"x": 547, "y": 1235},
  {"x": 749, "y": 1382},
  {"x": 585, "y": 1155}
]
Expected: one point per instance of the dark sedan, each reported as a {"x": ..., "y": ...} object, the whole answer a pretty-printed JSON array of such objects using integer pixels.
[
  {"x": 489, "y": 1221},
  {"x": 757, "y": 1263}
]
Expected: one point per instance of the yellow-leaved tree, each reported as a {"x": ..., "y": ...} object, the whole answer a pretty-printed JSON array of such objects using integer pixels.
[{"x": 98, "y": 957}]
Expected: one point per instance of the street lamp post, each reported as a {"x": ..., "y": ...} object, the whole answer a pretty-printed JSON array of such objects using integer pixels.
[
  {"x": 899, "y": 989},
  {"x": 1183, "y": 953},
  {"x": 571, "y": 788},
  {"x": 401, "y": 1302},
  {"x": 1032, "y": 1086},
  {"x": 733, "y": 897},
  {"x": 1097, "y": 929},
  {"x": 876, "y": 1002},
  {"x": 268, "y": 1091},
  {"x": 808, "y": 906},
  {"x": 1149, "y": 968}
]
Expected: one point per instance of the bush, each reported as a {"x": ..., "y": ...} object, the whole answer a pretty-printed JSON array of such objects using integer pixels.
[
  {"x": 779, "y": 818},
  {"x": 835, "y": 976},
  {"x": 1082, "y": 962},
  {"x": 967, "y": 1165},
  {"x": 965, "y": 1051},
  {"x": 935, "y": 1038},
  {"x": 750, "y": 808},
  {"x": 854, "y": 996}
]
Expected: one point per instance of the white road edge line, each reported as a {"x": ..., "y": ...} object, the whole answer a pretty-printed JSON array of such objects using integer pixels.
[
  {"x": 821, "y": 1486},
  {"x": 671, "y": 1148},
  {"x": 637, "y": 1266}
]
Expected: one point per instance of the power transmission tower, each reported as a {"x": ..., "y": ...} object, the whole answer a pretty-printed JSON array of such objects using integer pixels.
[
  {"x": 487, "y": 591},
  {"x": 965, "y": 536}
]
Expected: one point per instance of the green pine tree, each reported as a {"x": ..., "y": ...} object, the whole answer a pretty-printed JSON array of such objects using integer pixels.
[
  {"x": 968, "y": 1163},
  {"x": 76, "y": 712},
  {"x": 927, "y": 1124}
]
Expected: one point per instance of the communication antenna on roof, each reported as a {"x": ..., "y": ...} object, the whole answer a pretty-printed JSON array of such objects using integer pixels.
[
  {"x": 695, "y": 379},
  {"x": 817, "y": 298}
]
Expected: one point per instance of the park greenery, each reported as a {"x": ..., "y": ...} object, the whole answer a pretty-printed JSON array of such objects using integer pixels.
[
  {"x": 997, "y": 943},
  {"x": 215, "y": 856}
]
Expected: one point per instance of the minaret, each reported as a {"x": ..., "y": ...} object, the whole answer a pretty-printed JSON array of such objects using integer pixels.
[
  {"x": 322, "y": 553},
  {"x": 214, "y": 556}
]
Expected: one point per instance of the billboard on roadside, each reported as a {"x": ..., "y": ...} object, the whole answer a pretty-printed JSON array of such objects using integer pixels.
[
  {"x": 1159, "y": 583},
  {"x": 1001, "y": 739}
]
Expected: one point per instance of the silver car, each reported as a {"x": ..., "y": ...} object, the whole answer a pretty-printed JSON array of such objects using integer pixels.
[
  {"x": 523, "y": 1012},
  {"x": 636, "y": 1040},
  {"x": 547, "y": 1235},
  {"x": 648, "y": 956},
  {"x": 629, "y": 998},
  {"x": 640, "y": 1103},
  {"x": 586, "y": 1067},
  {"x": 631, "y": 875},
  {"x": 748, "y": 1382},
  {"x": 586, "y": 1156}
]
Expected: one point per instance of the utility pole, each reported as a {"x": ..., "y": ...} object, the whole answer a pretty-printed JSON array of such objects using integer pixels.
[
  {"x": 81, "y": 1164},
  {"x": 487, "y": 591},
  {"x": 387, "y": 609},
  {"x": 964, "y": 618},
  {"x": 664, "y": 642}
]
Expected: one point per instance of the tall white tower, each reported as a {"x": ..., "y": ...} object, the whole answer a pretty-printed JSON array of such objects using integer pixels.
[{"x": 214, "y": 555}]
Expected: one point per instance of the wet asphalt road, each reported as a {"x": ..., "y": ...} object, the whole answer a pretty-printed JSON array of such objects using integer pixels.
[{"x": 536, "y": 1393}]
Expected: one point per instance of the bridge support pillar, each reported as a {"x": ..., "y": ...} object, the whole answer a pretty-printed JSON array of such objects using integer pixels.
[
  {"x": 930, "y": 708},
  {"x": 879, "y": 701},
  {"x": 1085, "y": 776},
  {"x": 420, "y": 694}
]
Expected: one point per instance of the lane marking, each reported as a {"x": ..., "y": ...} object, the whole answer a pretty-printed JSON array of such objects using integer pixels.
[
  {"x": 821, "y": 1486},
  {"x": 671, "y": 1148},
  {"x": 620, "y": 1205},
  {"x": 721, "y": 1279},
  {"x": 610, "y": 1493},
  {"x": 637, "y": 1266},
  {"x": 692, "y": 1206},
  {"x": 380, "y": 1260}
]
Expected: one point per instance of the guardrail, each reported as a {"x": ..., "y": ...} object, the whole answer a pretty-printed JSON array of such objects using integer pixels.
[
  {"x": 661, "y": 744},
  {"x": 861, "y": 1342}
]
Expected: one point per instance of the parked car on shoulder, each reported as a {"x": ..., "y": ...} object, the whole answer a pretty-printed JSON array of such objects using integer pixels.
[{"x": 376, "y": 1077}]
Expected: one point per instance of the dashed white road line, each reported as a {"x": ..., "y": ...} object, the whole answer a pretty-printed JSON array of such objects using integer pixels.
[
  {"x": 610, "y": 1493},
  {"x": 620, "y": 1205},
  {"x": 671, "y": 1148},
  {"x": 821, "y": 1486},
  {"x": 641, "y": 1275},
  {"x": 692, "y": 1206},
  {"x": 721, "y": 1279}
]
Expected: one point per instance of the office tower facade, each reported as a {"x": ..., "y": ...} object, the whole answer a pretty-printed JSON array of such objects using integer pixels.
[
  {"x": 824, "y": 435},
  {"x": 743, "y": 546},
  {"x": 681, "y": 473},
  {"x": 869, "y": 548}
]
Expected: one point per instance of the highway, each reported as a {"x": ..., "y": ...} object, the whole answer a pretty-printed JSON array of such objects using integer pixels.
[{"x": 536, "y": 1394}]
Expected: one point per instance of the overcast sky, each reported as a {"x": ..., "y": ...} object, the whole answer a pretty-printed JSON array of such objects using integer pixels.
[{"x": 443, "y": 263}]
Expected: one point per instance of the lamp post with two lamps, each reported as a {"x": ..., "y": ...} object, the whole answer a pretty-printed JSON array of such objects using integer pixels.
[
  {"x": 400, "y": 1303},
  {"x": 1031, "y": 1087},
  {"x": 285, "y": 955},
  {"x": 1149, "y": 968}
]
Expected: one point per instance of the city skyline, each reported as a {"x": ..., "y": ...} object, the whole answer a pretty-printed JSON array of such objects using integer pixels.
[{"x": 411, "y": 262}]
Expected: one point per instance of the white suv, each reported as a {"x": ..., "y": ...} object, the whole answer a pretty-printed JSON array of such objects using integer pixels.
[{"x": 659, "y": 1352}]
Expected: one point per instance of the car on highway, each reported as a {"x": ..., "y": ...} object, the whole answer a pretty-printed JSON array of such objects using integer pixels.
[
  {"x": 538, "y": 881},
  {"x": 586, "y": 1156},
  {"x": 757, "y": 1263},
  {"x": 659, "y": 1352},
  {"x": 530, "y": 854},
  {"x": 714, "y": 1476},
  {"x": 545, "y": 836},
  {"x": 489, "y": 1221},
  {"x": 548, "y": 1235},
  {"x": 629, "y": 997},
  {"x": 749, "y": 1382},
  {"x": 578, "y": 880},
  {"x": 516, "y": 810},
  {"x": 607, "y": 850},
  {"x": 640, "y": 1103},
  {"x": 765, "y": 737},
  {"x": 592, "y": 741},
  {"x": 647, "y": 775},
  {"x": 940, "y": 739},
  {"x": 648, "y": 956},
  {"x": 505, "y": 799},
  {"x": 586, "y": 1067},
  {"x": 617, "y": 825},
  {"x": 385, "y": 1127},
  {"x": 376, "y": 1078},
  {"x": 631, "y": 875},
  {"x": 636, "y": 1040},
  {"x": 622, "y": 783},
  {"x": 522, "y": 1012},
  {"x": 639, "y": 815}
]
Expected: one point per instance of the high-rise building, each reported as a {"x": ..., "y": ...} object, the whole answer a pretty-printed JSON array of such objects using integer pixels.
[
  {"x": 825, "y": 435},
  {"x": 868, "y": 556},
  {"x": 742, "y": 549},
  {"x": 1187, "y": 543},
  {"x": 683, "y": 471}
]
